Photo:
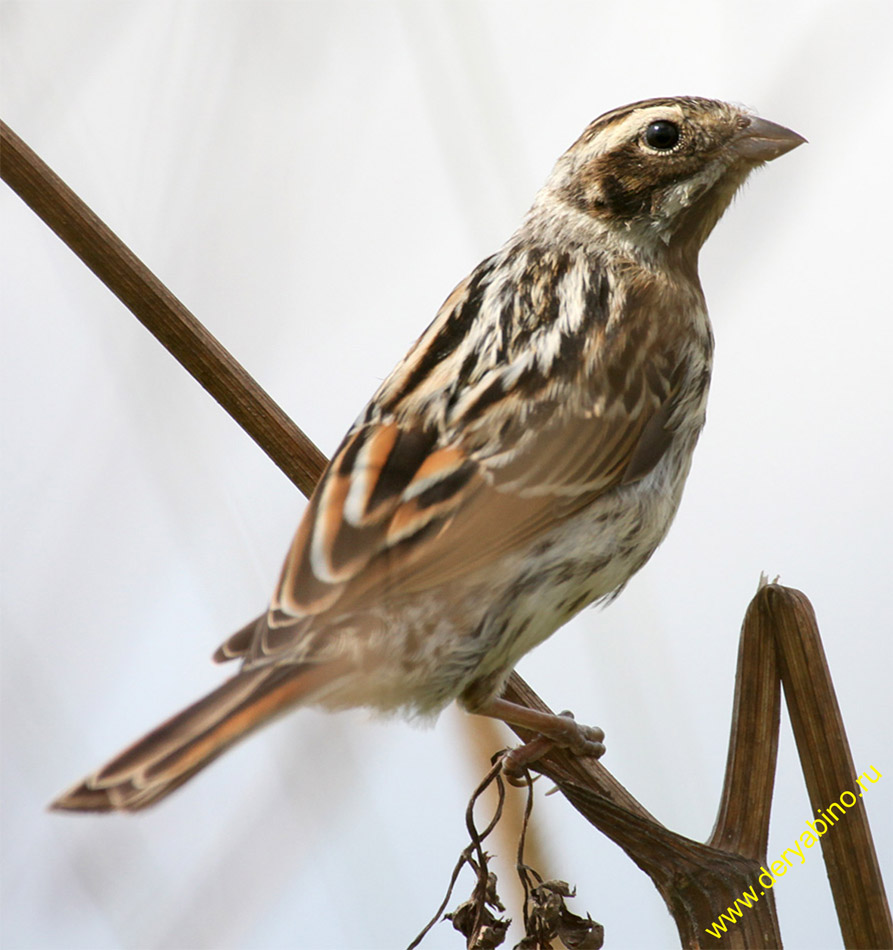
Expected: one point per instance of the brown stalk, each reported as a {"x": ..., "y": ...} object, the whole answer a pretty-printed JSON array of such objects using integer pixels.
[
  {"x": 847, "y": 846},
  {"x": 779, "y": 635},
  {"x": 160, "y": 312}
]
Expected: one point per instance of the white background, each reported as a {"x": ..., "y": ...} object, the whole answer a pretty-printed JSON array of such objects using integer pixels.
[{"x": 312, "y": 179}]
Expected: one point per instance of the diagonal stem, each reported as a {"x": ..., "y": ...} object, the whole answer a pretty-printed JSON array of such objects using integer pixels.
[{"x": 159, "y": 311}]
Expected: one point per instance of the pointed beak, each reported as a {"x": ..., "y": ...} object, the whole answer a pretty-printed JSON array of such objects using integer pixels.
[{"x": 762, "y": 140}]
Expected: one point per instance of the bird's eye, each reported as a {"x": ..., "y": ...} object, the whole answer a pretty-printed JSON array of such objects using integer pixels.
[{"x": 662, "y": 135}]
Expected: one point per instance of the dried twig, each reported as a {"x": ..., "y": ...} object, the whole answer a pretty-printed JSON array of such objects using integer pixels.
[{"x": 474, "y": 919}]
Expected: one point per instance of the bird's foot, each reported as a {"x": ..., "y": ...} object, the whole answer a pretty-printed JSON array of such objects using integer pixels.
[
  {"x": 551, "y": 730},
  {"x": 564, "y": 732}
]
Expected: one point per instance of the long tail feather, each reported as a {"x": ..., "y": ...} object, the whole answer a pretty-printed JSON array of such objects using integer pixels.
[{"x": 172, "y": 753}]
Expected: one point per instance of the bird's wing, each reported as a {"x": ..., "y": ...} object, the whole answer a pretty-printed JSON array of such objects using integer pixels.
[{"x": 402, "y": 508}]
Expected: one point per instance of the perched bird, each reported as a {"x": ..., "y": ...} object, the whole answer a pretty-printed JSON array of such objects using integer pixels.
[{"x": 523, "y": 460}]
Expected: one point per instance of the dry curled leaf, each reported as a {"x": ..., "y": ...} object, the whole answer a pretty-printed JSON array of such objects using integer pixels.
[
  {"x": 480, "y": 927},
  {"x": 548, "y": 917}
]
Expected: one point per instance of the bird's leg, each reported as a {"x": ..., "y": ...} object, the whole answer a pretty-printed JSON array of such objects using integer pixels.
[{"x": 552, "y": 730}]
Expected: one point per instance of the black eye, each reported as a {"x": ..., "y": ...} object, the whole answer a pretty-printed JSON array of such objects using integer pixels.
[{"x": 662, "y": 135}]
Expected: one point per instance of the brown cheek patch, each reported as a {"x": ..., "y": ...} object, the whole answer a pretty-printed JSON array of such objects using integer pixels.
[
  {"x": 625, "y": 182},
  {"x": 626, "y": 195}
]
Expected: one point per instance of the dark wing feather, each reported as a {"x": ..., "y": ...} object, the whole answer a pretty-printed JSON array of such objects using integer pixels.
[
  {"x": 386, "y": 488},
  {"x": 398, "y": 512}
]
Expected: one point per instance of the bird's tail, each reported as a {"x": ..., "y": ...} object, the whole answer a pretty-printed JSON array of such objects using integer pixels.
[{"x": 172, "y": 753}]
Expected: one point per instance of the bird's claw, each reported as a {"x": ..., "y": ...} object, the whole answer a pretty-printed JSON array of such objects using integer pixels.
[{"x": 579, "y": 740}]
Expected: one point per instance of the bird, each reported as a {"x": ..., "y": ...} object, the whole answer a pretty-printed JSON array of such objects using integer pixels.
[{"x": 522, "y": 461}]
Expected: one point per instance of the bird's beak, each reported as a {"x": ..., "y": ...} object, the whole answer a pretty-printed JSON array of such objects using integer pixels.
[{"x": 762, "y": 140}]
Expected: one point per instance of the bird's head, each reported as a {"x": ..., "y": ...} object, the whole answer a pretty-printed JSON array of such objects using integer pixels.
[{"x": 662, "y": 171}]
